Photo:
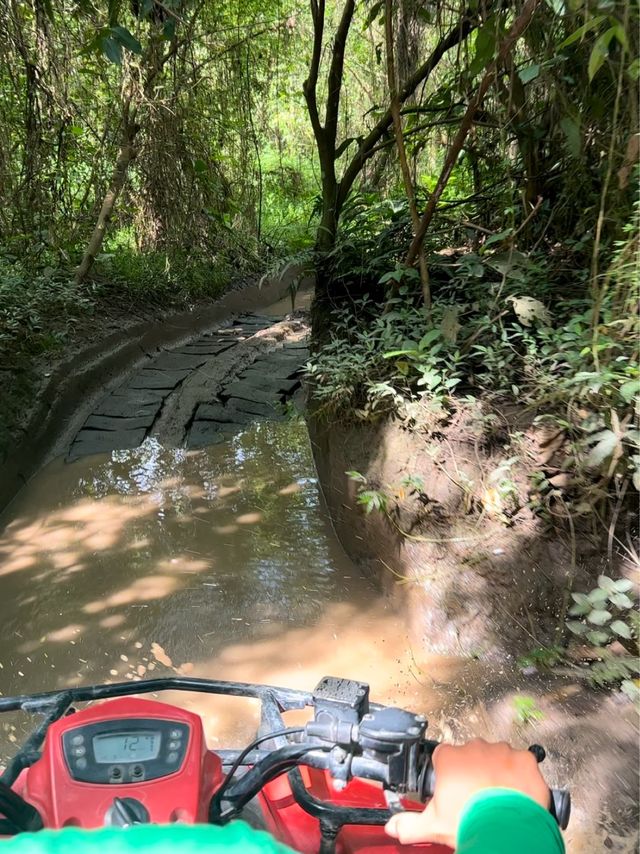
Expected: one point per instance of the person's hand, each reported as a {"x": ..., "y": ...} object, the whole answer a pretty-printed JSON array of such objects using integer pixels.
[{"x": 460, "y": 773}]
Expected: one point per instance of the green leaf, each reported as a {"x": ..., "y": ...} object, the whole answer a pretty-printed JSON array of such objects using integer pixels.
[
  {"x": 600, "y": 52},
  {"x": 582, "y": 605},
  {"x": 557, "y": 6},
  {"x": 486, "y": 42},
  {"x": 113, "y": 7},
  {"x": 621, "y": 629},
  {"x": 606, "y": 583},
  {"x": 529, "y": 73},
  {"x": 355, "y": 475},
  {"x": 111, "y": 49},
  {"x": 576, "y": 627},
  {"x": 431, "y": 336},
  {"x": 621, "y": 600},
  {"x": 620, "y": 34},
  {"x": 580, "y": 598},
  {"x": 496, "y": 238},
  {"x": 623, "y": 585},
  {"x": 375, "y": 10},
  {"x": 599, "y": 618},
  {"x": 598, "y": 596},
  {"x": 629, "y": 390},
  {"x": 409, "y": 351},
  {"x": 124, "y": 37},
  {"x": 571, "y": 130},
  {"x": 580, "y": 32},
  {"x": 597, "y": 638},
  {"x": 580, "y": 610}
]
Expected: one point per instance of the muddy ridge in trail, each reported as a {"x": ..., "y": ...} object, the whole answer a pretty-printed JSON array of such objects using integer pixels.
[{"x": 204, "y": 391}]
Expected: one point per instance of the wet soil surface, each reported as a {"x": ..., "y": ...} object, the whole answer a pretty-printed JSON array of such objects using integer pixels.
[
  {"x": 195, "y": 395},
  {"x": 221, "y": 561}
]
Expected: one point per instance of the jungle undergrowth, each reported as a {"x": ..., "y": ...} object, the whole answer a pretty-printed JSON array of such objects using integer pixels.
[
  {"x": 497, "y": 332},
  {"x": 507, "y": 328},
  {"x": 44, "y": 313}
]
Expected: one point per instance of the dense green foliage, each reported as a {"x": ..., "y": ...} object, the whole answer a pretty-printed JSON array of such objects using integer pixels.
[{"x": 467, "y": 173}]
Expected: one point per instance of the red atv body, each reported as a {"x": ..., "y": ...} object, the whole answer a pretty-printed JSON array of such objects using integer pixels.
[
  {"x": 184, "y": 794},
  {"x": 323, "y": 787}
]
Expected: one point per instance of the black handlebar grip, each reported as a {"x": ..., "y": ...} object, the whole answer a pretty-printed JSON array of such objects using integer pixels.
[
  {"x": 538, "y": 751},
  {"x": 559, "y": 807}
]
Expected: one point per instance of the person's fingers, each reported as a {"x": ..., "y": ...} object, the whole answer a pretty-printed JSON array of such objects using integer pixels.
[
  {"x": 536, "y": 786},
  {"x": 410, "y": 827}
]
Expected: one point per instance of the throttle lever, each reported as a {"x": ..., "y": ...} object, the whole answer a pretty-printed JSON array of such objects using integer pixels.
[{"x": 560, "y": 803}]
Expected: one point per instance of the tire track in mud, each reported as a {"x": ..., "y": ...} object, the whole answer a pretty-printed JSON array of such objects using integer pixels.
[{"x": 202, "y": 392}]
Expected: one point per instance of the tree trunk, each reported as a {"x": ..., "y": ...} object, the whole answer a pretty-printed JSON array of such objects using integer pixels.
[
  {"x": 126, "y": 155},
  {"x": 327, "y": 229},
  {"x": 402, "y": 152}
]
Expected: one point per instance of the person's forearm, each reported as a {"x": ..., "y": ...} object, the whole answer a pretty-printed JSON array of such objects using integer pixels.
[{"x": 503, "y": 821}]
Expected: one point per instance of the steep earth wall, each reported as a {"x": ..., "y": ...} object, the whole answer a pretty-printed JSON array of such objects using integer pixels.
[{"x": 480, "y": 574}]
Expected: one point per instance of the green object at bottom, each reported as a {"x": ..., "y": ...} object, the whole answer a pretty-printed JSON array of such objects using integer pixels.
[
  {"x": 149, "y": 838},
  {"x": 502, "y": 821},
  {"x": 497, "y": 821}
]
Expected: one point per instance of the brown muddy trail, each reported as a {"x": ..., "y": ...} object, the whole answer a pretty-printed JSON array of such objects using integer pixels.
[{"x": 221, "y": 561}]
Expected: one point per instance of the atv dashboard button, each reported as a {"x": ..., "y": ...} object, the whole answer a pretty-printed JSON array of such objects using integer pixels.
[
  {"x": 81, "y": 764},
  {"x": 172, "y": 757},
  {"x": 115, "y": 774},
  {"x": 77, "y": 739}
]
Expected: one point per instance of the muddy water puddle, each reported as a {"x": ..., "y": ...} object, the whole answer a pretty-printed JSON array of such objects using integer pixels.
[
  {"x": 217, "y": 563},
  {"x": 222, "y": 563}
]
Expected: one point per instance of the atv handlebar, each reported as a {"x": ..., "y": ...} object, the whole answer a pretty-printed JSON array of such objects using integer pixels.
[
  {"x": 229, "y": 801},
  {"x": 348, "y": 737}
]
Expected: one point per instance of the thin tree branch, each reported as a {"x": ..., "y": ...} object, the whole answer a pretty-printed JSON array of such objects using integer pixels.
[
  {"x": 336, "y": 73},
  {"x": 456, "y": 35},
  {"x": 402, "y": 152},
  {"x": 509, "y": 42},
  {"x": 310, "y": 85}
]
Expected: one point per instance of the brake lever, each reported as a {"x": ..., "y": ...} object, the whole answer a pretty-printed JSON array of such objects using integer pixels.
[{"x": 394, "y": 804}]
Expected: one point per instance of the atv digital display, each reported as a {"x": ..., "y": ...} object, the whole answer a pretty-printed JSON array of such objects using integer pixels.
[{"x": 137, "y": 746}]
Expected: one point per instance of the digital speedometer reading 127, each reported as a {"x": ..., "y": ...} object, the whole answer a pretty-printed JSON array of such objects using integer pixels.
[{"x": 139, "y": 746}]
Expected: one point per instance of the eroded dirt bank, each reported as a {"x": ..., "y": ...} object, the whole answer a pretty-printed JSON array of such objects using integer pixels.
[
  {"x": 485, "y": 575},
  {"x": 478, "y": 578}
]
